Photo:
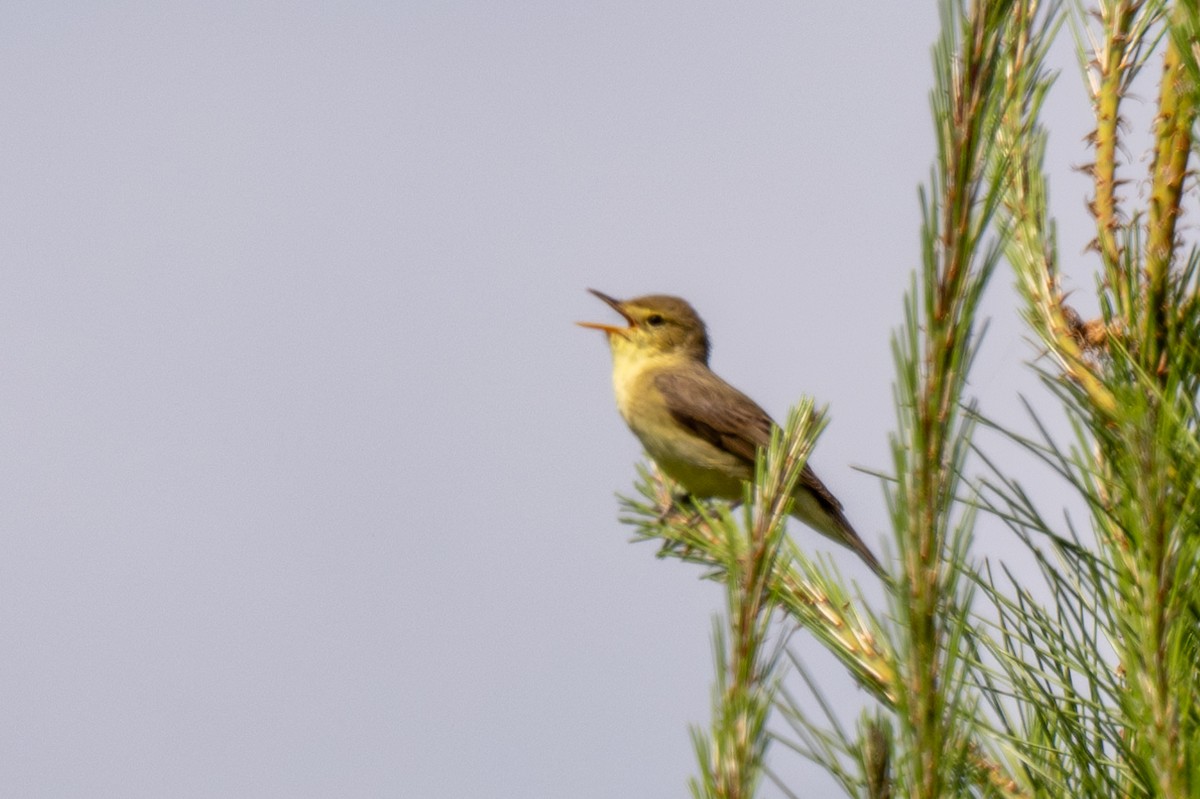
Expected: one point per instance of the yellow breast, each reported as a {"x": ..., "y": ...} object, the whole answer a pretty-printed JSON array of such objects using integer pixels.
[{"x": 703, "y": 469}]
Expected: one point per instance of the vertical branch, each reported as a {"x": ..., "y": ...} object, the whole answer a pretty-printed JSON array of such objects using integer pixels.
[
  {"x": 1109, "y": 61},
  {"x": 933, "y": 356},
  {"x": 1173, "y": 145},
  {"x": 1149, "y": 520},
  {"x": 731, "y": 756}
]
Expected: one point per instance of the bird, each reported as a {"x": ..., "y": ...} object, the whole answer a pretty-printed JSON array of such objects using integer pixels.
[{"x": 702, "y": 432}]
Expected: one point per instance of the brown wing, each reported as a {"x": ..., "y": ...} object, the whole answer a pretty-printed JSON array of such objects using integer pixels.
[
  {"x": 727, "y": 419},
  {"x": 731, "y": 421},
  {"x": 715, "y": 411}
]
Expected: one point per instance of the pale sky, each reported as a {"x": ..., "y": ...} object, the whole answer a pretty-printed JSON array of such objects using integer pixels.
[{"x": 308, "y": 476}]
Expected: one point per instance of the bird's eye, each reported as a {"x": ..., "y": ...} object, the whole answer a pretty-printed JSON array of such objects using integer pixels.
[{"x": 654, "y": 320}]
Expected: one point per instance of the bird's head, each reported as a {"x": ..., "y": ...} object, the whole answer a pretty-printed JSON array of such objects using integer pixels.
[{"x": 657, "y": 325}]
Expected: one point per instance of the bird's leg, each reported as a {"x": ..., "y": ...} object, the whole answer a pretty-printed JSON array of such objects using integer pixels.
[
  {"x": 675, "y": 507},
  {"x": 676, "y": 504},
  {"x": 673, "y": 545}
]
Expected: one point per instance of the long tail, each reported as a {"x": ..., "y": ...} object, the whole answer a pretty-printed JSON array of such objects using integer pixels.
[
  {"x": 848, "y": 536},
  {"x": 818, "y": 508}
]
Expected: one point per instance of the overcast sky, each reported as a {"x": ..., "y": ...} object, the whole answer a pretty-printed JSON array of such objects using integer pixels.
[{"x": 308, "y": 477}]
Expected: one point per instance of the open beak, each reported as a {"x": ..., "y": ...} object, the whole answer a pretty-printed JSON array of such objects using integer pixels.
[{"x": 616, "y": 306}]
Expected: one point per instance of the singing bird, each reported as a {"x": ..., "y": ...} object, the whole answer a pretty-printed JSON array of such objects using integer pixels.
[{"x": 702, "y": 432}]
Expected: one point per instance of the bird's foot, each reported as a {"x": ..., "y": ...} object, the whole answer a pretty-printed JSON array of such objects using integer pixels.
[
  {"x": 675, "y": 513},
  {"x": 674, "y": 507}
]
